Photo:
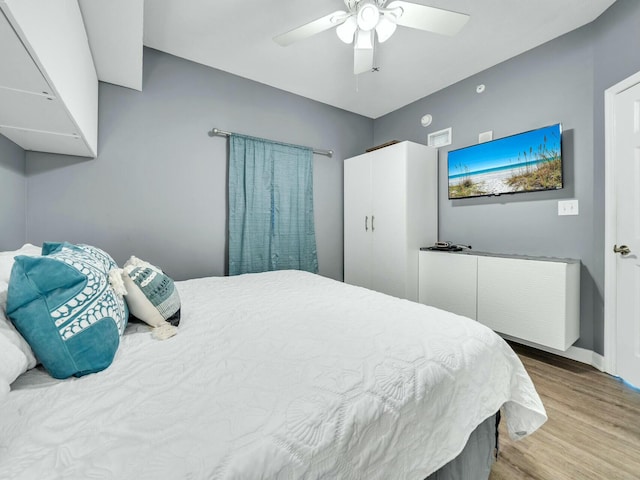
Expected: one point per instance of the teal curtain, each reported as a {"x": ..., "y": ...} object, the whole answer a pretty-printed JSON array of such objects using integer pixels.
[{"x": 270, "y": 207}]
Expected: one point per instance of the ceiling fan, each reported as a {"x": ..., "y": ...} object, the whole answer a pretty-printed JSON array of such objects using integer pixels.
[{"x": 364, "y": 17}]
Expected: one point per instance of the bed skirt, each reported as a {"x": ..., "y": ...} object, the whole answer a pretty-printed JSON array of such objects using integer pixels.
[{"x": 477, "y": 457}]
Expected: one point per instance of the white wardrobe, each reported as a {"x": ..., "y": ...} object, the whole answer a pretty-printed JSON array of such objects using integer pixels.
[{"x": 390, "y": 211}]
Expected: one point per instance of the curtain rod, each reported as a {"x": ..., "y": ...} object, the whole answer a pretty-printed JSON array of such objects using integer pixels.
[{"x": 221, "y": 133}]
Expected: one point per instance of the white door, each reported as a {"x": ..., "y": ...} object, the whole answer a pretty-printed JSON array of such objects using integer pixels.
[
  {"x": 627, "y": 187},
  {"x": 389, "y": 215},
  {"x": 357, "y": 221}
]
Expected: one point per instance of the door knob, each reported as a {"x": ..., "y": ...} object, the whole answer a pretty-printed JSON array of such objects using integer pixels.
[{"x": 622, "y": 249}]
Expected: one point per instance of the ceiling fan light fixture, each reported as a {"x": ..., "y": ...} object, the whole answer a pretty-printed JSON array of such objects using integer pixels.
[
  {"x": 368, "y": 16},
  {"x": 347, "y": 30},
  {"x": 385, "y": 29}
]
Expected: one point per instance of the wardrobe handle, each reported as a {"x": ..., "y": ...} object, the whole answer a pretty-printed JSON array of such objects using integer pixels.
[
  {"x": 366, "y": 223},
  {"x": 372, "y": 226}
]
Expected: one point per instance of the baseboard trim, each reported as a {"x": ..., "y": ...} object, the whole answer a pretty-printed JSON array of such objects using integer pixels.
[{"x": 578, "y": 354}]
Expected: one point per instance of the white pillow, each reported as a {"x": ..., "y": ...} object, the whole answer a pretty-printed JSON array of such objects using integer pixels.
[
  {"x": 9, "y": 333},
  {"x": 12, "y": 364},
  {"x": 6, "y": 259},
  {"x": 7, "y": 330}
]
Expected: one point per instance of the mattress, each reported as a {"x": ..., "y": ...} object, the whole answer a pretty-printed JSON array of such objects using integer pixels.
[{"x": 278, "y": 375}]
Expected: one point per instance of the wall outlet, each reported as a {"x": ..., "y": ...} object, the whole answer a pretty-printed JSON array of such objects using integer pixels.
[{"x": 568, "y": 207}]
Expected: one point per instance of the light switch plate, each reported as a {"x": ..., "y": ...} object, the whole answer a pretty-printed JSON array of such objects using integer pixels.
[{"x": 568, "y": 207}]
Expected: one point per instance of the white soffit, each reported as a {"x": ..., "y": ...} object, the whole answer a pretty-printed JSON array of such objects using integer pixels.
[{"x": 115, "y": 31}]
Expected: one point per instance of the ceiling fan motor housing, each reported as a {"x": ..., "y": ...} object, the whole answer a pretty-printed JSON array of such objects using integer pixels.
[{"x": 368, "y": 15}]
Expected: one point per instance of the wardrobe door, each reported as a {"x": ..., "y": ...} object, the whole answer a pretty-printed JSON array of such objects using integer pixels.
[
  {"x": 357, "y": 221},
  {"x": 389, "y": 197}
]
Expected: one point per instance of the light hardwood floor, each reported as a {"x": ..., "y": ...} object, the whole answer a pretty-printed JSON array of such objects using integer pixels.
[{"x": 593, "y": 431}]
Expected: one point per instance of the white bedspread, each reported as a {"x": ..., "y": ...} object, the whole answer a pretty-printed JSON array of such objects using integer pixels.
[{"x": 281, "y": 375}]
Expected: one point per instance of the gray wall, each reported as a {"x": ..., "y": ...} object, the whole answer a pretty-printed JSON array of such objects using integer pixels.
[
  {"x": 158, "y": 187},
  {"x": 561, "y": 81},
  {"x": 616, "y": 57},
  {"x": 12, "y": 195}
]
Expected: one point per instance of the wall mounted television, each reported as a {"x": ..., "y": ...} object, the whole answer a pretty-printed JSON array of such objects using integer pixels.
[{"x": 526, "y": 162}]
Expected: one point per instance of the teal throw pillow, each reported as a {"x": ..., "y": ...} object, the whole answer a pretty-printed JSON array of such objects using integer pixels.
[{"x": 65, "y": 305}]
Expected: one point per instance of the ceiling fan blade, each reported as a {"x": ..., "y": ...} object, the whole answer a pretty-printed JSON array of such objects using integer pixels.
[
  {"x": 427, "y": 18},
  {"x": 363, "y": 52},
  {"x": 309, "y": 29}
]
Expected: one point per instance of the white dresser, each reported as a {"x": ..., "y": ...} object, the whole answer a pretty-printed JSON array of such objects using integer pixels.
[{"x": 530, "y": 298}]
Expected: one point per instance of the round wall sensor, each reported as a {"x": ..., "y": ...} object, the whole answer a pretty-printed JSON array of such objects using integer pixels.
[
  {"x": 480, "y": 88},
  {"x": 426, "y": 120}
]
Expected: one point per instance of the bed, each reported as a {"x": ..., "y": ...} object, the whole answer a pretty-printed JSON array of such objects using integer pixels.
[{"x": 277, "y": 375}]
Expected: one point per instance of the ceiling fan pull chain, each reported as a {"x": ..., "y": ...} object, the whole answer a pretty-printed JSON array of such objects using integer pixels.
[{"x": 374, "y": 63}]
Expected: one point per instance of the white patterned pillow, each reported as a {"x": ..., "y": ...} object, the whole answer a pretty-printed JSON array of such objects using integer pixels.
[{"x": 152, "y": 297}]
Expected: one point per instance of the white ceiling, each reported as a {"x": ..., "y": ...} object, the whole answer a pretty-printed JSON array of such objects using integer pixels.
[
  {"x": 114, "y": 30},
  {"x": 236, "y": 36}
]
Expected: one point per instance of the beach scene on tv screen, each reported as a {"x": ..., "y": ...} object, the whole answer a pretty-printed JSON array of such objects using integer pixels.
[{"x": 524, "y": 162}]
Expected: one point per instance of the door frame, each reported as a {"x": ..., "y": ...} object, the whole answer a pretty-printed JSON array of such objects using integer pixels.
[{"x": 610, "y": 228}]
